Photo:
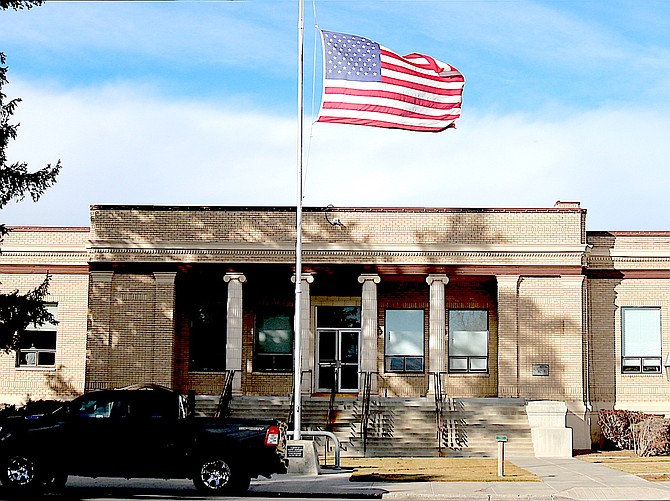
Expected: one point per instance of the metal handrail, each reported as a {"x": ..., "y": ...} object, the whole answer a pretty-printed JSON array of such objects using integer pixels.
[
  {"x": 226, "y": 394},
  {"x": 327, "y": 434},
  {"x": 365, "y": 412},
  {"x": 331, "y": 402},
  {"x": 289, "y": 419},
  {"x": 439, "y": 405}
]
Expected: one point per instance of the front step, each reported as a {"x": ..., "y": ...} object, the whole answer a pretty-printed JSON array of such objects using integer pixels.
[{"x": 402, "y": 427}]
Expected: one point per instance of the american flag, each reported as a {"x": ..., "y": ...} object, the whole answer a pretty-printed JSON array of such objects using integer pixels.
[{"x": 367, "y": 84}]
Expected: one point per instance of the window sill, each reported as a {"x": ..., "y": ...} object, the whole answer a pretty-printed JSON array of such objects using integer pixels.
[
  {"x": 43, "y": 368},
  {"x": 404, "y": 373},
  {"x": 646, "y": 374},
  {"x": 469, "y": 374}
]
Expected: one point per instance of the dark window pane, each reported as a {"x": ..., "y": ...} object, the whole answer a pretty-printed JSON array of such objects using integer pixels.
[
  {"x": 414, "y": 364},
  {"x": 327, "y": 348},
  {"x": 349, "y": 374},
  {"x": 395, "y": 364},
  {"x": 45, "y": 340},
  {"x": 207, "y": 343},
  {"x": 326, "y": 376},
  {"x": 267, "y": 363},
  {"x": 349, "y": 347},
  {"x": 27, "y": 340},
  {"x": 338, "y": 317},
  {"x": 274, "y": 333},
  {"x": 46, "y": 358},
  {"x": 41, "y": 340}
]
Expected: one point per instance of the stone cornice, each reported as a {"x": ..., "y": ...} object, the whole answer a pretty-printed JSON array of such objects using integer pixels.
[
  {"x": 602, "y": 254},
  {"x": 46, "y": 250},
  {"x": 613, "y": 260},
  {"x": 330, "y": 255},
  {"x": 111, "y": 246}
]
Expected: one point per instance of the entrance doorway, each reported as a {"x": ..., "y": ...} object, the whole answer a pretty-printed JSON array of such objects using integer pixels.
[
  {"x": 338, "y": 360},
  {"x": 337, "y": 348}
]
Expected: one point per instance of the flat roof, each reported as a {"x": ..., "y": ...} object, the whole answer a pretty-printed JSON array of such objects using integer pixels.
[{"x": 288, "y": 208}]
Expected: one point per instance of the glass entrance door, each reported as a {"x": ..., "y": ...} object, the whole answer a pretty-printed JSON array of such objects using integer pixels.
[{"x": 338, "y": 357}]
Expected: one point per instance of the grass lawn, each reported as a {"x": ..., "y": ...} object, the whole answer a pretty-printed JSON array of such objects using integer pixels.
[
  {"x": 434, "y": 470},
  {"x": 656, "y": 468},
  {"x": 486, "y": 469}
]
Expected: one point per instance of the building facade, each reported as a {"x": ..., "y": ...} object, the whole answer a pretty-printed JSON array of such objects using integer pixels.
[
  {"x": 477, "y": 303},
  {"x": 52, "y": 361}
]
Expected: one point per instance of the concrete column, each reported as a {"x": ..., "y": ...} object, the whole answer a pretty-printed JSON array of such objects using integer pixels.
[
  {"x": 307, "y": 339},
  {"x": 100, "y": 342},
  {"x": 164, "y": 329},
  {"x": 369, "y": 323},
  {"x": 436, "y": 328},
  {"x": 508, "y": 335},
  {"x": 234, "y": 316}
]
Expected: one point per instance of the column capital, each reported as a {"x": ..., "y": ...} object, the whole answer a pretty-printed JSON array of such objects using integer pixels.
[
  {"x": 365, "y": 277},
  {"x": 234, "y": 276},
  {"x": 165, "y": 277},
  {"x": 306, "y": 277},
  {"x": 437, "y": 277}
]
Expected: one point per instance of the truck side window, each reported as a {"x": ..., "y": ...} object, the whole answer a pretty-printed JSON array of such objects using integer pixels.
[
  {"x": 100, "y": 409},
  {"x": 94, "y": 409}
]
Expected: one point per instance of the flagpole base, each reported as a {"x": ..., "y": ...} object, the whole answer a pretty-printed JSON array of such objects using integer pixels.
[{"x": 302, "y": 457}]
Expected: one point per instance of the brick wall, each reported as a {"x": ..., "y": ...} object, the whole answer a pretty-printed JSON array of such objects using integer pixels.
[
  {"x": 452, "y": 236},
  {"x": 28, "y": 253},
  {"x": 609, "y": 387}
]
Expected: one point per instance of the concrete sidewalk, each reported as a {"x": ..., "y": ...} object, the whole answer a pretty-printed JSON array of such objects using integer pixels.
[{"x": 560, "y": 479}]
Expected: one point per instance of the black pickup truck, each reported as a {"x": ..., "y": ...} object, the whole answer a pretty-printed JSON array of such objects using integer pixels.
[{"x": 141, "y": 432}]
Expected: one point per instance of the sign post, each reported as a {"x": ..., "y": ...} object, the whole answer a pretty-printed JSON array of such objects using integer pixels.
[{"x": 501, "y": 439}]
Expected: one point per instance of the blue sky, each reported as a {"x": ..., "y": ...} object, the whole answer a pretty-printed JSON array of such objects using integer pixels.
[{"x": 194, "y": 102}]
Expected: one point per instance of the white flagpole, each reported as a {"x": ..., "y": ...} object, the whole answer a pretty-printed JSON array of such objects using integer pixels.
[{"x": 297, "y": 321}]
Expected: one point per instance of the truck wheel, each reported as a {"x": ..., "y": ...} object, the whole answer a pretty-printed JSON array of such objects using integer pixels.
[
  {"x": 217, "y": 476},
  {"x": 20, "y": 474}
]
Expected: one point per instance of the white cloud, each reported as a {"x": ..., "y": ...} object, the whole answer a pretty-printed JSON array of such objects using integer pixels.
[{"x": 121, "y": 144}]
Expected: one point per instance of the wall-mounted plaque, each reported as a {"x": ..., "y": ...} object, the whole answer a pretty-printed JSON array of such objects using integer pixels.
[
  {"x": 540, "y": 369},
  {"x": 295, "y": 451}
]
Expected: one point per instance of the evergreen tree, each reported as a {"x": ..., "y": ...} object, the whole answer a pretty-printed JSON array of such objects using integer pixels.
[{"x": 18, "y": 311}]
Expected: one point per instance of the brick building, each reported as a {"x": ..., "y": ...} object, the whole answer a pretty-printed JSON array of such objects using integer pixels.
[{"x": 479, "y": 303}]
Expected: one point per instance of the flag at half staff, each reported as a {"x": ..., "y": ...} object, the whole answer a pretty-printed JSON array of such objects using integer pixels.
[{"x": 365, "y": 83}]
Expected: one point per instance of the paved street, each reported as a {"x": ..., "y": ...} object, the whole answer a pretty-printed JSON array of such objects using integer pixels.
[{"x": 561, "y": 479}]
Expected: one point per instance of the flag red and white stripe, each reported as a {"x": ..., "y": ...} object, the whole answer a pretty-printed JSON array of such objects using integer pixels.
[{"x": 367, "y": 84}]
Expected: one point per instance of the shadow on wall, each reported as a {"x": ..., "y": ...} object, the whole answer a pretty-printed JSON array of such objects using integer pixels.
[
  {"x": 604, "y": 282},
  {"x": 59, "y": 385}
]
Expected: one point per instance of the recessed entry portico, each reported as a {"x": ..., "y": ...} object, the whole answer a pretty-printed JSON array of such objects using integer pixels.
[{"x": 338, "y": 348}]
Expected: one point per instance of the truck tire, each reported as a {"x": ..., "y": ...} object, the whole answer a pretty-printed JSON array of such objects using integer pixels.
[
  {"x": 20, "y": 474},
  {"x": 216, "y": 475}
]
